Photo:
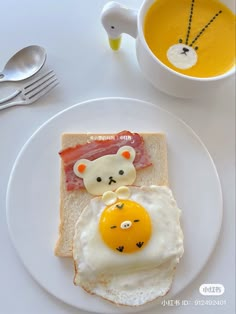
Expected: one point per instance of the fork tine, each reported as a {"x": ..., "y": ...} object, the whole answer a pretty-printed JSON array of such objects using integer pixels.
[
  {"x": 43, "y": 90},
  {"x": 38, "y": 87},
  {"x": 40, "y": 82},
  {"x": 42, "y": 76}
]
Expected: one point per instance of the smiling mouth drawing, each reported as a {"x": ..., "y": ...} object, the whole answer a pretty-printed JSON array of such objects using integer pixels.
[{"x": 111, "y": 180}]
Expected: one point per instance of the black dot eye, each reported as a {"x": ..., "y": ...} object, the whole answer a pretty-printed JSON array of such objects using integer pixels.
[
  {"x": 196, "y": 48},
  {"x": 180, "y": 40},
  {"x": 99, "y": 179},
  {"x": 112, "y": 27},
  {"x": 121, "y": 172}
]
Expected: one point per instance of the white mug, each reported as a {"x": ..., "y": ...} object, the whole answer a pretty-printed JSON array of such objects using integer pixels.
[{"x": 118, "y": 19}]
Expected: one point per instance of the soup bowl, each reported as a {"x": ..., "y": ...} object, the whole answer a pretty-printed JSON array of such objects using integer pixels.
[{"x": 118, "y": 19}]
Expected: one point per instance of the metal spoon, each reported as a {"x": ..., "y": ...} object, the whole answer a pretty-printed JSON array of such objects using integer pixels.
[{"x": 24, "y": 64}]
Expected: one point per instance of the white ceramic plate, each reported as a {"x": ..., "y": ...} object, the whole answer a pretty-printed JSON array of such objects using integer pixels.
[{"x": 33, "y": 193}]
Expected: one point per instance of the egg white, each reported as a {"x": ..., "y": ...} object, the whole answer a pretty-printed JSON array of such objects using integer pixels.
[{"x": 136, "y": 278}]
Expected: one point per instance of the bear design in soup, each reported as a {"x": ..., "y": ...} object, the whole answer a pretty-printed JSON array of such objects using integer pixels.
[{"x": 193, "y": 37}]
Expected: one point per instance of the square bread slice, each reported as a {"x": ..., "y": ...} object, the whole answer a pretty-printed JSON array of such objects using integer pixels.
[{"x": 73, "y": 202}]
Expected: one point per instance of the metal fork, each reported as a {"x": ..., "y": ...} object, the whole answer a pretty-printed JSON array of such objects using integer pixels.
[{"x": 31, "y": 92}]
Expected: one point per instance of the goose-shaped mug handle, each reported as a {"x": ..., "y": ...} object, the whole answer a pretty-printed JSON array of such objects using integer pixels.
[{"x": 118, "y": 19}]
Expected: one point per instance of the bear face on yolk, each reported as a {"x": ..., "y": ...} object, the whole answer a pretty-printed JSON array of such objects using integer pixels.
[{"x": 125, "y": 226}]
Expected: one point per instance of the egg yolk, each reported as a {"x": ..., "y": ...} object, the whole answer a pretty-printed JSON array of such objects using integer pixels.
[{"x": 125, "y": 226}]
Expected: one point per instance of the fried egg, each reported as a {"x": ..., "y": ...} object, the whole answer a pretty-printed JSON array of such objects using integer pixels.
[{"x": 127, "y": 252}]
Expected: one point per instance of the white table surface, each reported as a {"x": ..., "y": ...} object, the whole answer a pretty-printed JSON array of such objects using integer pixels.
[{"x": 78, "y": 51}]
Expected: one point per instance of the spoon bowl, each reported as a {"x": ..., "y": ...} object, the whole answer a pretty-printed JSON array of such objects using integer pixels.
[{"x": 25, "y": 63}]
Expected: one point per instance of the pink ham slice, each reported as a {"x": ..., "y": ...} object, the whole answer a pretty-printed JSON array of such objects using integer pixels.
[{"x": 98, "y": 148}]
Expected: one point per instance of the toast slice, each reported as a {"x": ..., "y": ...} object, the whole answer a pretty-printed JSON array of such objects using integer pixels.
[{"x": 73, "y": 202}]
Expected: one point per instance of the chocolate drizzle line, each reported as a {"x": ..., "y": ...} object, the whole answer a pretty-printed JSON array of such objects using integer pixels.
[
  {"x": 190, "y": 22},
  {"x": 205, "y": 27}
]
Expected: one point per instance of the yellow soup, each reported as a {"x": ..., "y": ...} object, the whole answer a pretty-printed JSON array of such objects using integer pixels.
[{"x": 193, "y": 37}]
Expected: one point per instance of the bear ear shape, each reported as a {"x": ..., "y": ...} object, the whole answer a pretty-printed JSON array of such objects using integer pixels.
[
  {"x": 80, "y": 167},
  {"x": 127, "y": 152}
]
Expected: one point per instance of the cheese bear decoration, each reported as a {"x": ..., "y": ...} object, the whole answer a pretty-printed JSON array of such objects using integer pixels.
[
  {"x": 124, "y": 225},
  {"x": 107, "y": 173}
]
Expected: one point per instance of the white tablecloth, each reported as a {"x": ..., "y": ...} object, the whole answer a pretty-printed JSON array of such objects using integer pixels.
[{"x": 78, "y": 51}]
